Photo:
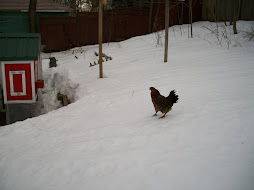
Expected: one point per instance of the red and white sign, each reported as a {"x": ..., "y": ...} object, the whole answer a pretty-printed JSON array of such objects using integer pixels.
[{"x": 19, "y": 79}]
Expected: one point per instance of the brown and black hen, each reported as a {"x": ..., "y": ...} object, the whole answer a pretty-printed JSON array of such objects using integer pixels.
[{"x": 161, "y": 103}]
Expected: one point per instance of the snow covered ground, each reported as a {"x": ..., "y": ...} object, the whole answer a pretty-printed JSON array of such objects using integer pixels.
[{"x": 107, "y": 138}]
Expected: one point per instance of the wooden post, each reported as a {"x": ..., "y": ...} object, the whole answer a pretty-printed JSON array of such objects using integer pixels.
[
  {"x": 190, "y": 9},
  {"x": 100, "y": 37},
  {"x": 166, "y": 31}
]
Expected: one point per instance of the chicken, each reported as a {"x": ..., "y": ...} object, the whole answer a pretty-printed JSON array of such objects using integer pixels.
[{"x": 161, "y": 103}]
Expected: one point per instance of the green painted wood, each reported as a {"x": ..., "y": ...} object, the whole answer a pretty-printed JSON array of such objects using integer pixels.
[
  {"x": 18, "y": 22},
  {"x": 19, "y": 46},
  {"x": 14, "y": 22}
]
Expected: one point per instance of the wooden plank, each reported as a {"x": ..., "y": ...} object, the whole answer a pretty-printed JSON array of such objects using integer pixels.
[{"x": 65, "y": 100}]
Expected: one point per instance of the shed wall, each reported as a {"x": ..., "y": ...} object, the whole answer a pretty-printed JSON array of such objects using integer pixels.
[
  {"x": 18, "y": 22},
  {"x": 12, "y": 22}
]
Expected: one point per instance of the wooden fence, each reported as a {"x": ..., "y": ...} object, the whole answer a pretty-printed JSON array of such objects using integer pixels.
[
  {"x": 61, "y": 33},
  {"x": 222, "y": 10}
]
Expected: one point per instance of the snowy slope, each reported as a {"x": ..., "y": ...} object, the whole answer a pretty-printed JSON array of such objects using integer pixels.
[{"x": 107, "y": 138}]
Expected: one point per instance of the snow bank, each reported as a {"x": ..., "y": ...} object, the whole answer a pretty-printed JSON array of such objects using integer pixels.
[{"x": 56, "y": 81}]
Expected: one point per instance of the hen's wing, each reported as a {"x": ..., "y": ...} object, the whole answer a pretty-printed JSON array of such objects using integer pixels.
[{"x": 161, "y": 103}]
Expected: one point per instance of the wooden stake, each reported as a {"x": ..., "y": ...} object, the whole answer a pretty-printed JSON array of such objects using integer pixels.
[
  {"x": 190, "y": 8},
  {"x": 65, "y": 100},
  {"x": 166, "y": 31},
  {"x": 100, "y": 36}
]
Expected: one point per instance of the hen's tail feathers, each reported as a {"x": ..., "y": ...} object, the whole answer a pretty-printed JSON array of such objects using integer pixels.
[{"x": 174, "y": 96}]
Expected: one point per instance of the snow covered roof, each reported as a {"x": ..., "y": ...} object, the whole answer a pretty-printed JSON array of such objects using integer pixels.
[{"x": 42, "y": 6}]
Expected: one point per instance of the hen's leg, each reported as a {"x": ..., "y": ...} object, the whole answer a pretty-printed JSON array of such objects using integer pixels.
[
  {"x": 155, "y": 113},
  {"x": 162, "y": 116}
]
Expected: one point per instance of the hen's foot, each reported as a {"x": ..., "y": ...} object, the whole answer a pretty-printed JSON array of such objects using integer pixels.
[{"x": 162, "y": 116}]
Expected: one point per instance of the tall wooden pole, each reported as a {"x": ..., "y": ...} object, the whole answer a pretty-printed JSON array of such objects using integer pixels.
[
  {"x": 190, "y": 6},
  {"x": 166, "y": 31},
  {"x": 100, "y": 37}
]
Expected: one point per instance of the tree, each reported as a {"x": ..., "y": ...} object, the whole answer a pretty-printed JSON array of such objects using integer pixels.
[
  {"x": 180, "y": 12},
  {"x": 93, "y": 5},
  {"x": 236, "y": 13},
  {"x": 122, "y": 3},
  {"x": 154, "y": 28},
  {"x": 74, "y": 4},
  {"x": 190, "y": 14},
  {"x": 32, "y": 16},
  {"x": 150, "y": 16}
]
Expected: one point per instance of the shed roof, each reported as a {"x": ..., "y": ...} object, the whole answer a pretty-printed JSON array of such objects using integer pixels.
[
  {"x": 20, "y": 46},
  {"x": 42, "y": 6}
]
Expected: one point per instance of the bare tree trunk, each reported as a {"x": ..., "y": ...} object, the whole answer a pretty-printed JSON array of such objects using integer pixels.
[
  {"x": 156, "y": 17},
  {"x": 181, "y": 13},
  {"x": 150, "y": 16},
  {"x": 236, "y": 13},
  {"x": 239, "y": 9},
  {"x": 32, "y": 16},
  {"x": 234, "y": 26},
  {"x": 231, "y": 7},
  {"x": 234, "y": 16},
  {"x": 190, "y": 9},
  {"x": 214, "y": 11}
]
